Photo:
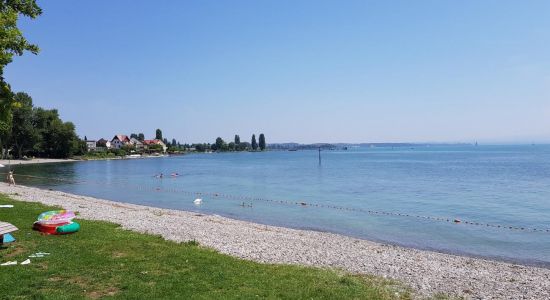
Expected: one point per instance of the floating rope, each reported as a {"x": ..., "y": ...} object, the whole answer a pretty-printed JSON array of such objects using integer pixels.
[{"x": 294, "y": 203}]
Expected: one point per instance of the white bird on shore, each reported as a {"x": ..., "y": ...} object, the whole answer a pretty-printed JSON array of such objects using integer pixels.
[{"x": 198, "y": 201}]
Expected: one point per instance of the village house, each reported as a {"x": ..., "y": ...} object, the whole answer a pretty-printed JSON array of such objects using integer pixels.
[
  {"x": 103, "y": 145},
  {"x": 119, "y": 141},
  {"x": 148, "y": 143},
  {"x": 138, "y": 145},
  {"x": 91, "y": 145}
]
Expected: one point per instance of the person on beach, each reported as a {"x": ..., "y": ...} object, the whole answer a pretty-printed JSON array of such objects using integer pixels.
[{"x": 10, "y": 178}]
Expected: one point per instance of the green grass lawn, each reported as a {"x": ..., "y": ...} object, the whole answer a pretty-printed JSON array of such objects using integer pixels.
[{"x": 103, "y": 260}]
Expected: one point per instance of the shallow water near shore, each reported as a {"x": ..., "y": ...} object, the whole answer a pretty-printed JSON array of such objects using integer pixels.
[{"x": 504, "y": 185}]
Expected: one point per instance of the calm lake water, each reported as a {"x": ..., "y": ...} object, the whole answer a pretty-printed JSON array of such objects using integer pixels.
[{"x": 508, "y": 185}]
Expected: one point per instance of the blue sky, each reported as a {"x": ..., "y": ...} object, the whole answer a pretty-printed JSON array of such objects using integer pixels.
[{"x": 304, "y": 71}]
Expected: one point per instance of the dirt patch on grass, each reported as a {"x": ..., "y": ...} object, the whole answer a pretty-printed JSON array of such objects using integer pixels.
[
  {"x": 80, "y": 281},
  {"x": 108, "y": 292},
  {"x": 118, "y": 254},
  {"x": 15, "y": 251},
  {"x": 55, "y": 279}
]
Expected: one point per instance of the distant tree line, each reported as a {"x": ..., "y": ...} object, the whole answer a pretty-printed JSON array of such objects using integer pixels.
[{"x": 221, "y": 146}]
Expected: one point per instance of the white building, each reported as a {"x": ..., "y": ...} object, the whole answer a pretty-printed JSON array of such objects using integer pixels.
[
  {"x": 91, "y": 145},
  {"x": 119, "y": 141}
]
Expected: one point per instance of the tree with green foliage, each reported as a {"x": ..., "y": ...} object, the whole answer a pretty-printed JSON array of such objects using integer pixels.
[
  {"x": 262, "y": 142},
  {"x": 24, "y": 135},
  {"x": 58, "y": 139},
  {"x": 42, "y": 119},
  {"x": 199, "y": 147},
  {"x": 128, "y": 148},
  {"x": 254, "y": 143},
  {"x": 243, "y": 146},
  {"x": 61, "y": 139},
  {"x": 154, "y": 148},
  {"x": 81, "y": 148},
  {"x": 6, "y": 116},
  {"x": 133, "y": 136},
  {"x": 12, "y": 42},
  {"x": 119, "y": 152},
  {"x": 158, "y": 134},
  {"x": 237, "y": 139},
  {"x": 141, "y": 137},
  {"x": 219, "y": 145},
  {"x": 174, "y": 143}
]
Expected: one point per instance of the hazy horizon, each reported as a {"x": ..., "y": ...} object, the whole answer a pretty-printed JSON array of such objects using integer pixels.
[
  {"x": 422, "y": 142},
  {"x": 304, "y": 71}
]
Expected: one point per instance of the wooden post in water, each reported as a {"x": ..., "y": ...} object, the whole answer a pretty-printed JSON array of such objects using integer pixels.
[{"x": 319, "y": 155}]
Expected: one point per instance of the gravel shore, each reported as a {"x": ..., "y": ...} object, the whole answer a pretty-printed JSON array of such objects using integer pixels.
[
  {"x": 12, "y": 162},
  {"x": 427, "y": 273}
]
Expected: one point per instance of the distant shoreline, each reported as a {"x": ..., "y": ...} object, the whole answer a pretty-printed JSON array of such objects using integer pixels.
[
  {"x": 426, "y": 272},
  {"x": 7, "y": 162},
  {"x": 17, "y": 162}
]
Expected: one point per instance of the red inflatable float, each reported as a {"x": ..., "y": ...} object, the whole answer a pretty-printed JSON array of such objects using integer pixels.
[
  {"x": 56, "y": 222},
  {"x": 62, "y": 228}
]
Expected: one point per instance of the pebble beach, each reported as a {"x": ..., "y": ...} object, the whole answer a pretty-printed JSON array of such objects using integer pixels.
[
  {"x": 426, "y": 273},
  {"x": 14, "y": 162}
]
